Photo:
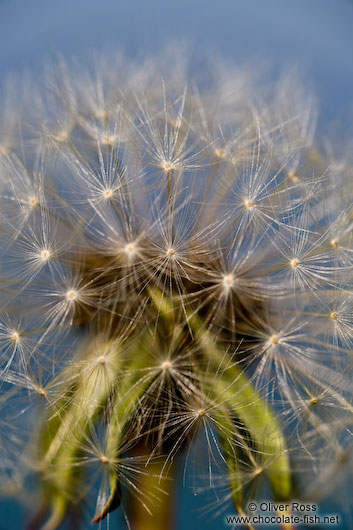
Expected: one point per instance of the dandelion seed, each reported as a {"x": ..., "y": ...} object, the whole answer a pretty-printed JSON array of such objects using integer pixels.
[
  {"x": 274, "y": 339},
  {"x": 168, "y": 166},
  {"x": 293, "y": 176},
  {"x": 227, "y": 281},
  {"x": 249, "y": 203},
  {"x": 71, "y": 295},
  {"x": 15, "y": 336},
  {"x": 32, "y": 202},
  {"x": 101, "y": 360},
  {"x": 108, "y": 193},
  {"x": 166, "y": 366},
  {"x": 130, "y": 249},
  {"x": 294, "y": 263},
  {"x": 109, "y": 140},
  {"x": 44, "y": 255},
  {"x": 62, "y": 136},
  {"x": 219, "y": 152},
  {"x": 4, "y": 150}
]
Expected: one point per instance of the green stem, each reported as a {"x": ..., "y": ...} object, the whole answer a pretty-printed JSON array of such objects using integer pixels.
[{"x": 160, "y": 516}]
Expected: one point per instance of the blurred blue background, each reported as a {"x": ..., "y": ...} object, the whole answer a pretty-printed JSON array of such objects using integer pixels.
[{"x": 314, "y": 35}]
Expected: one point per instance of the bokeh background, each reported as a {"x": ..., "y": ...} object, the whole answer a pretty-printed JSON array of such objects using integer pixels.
[{"x": 313, "y": 36}]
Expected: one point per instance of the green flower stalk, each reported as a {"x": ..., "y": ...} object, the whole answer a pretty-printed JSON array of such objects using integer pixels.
[{"x": 176, "y": 280}]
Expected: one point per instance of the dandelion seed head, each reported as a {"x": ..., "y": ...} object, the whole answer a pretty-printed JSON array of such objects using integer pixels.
[{"x": 189, "y": 267}]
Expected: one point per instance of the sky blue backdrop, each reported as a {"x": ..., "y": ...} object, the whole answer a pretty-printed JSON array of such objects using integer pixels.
[{"x": 316, "y": 35}]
